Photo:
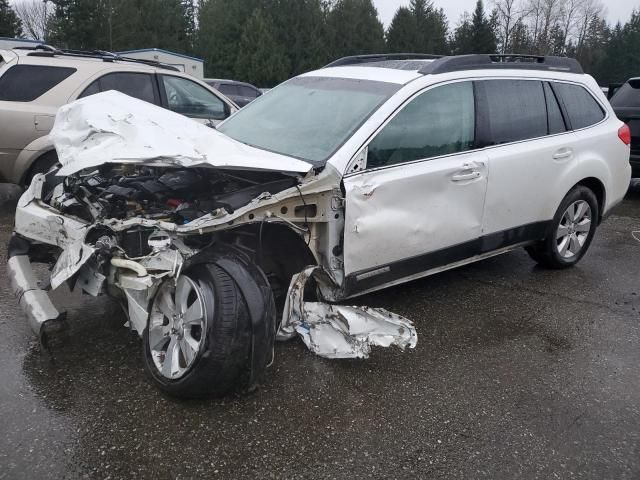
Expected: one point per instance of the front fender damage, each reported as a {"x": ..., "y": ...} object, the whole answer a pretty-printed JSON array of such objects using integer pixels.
[{"x": 188, "y": 204}]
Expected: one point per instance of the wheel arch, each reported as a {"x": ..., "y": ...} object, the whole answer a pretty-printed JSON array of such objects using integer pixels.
[
  {"x": 276, "y": 248},
  {"x": 598, "y": 188}
]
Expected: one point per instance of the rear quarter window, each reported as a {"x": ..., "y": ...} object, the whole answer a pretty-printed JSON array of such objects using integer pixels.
[
  {"x": 582, "y": 108},
  {"x": 25, "y": 83}
]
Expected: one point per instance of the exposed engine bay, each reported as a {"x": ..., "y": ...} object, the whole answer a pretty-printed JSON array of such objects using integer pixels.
[{"x": 168, "y": 194}]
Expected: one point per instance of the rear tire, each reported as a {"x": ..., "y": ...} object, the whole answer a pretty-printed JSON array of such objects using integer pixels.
[
  {"x": 214, "y": 351},
  {"x": 571, "y": 231}
]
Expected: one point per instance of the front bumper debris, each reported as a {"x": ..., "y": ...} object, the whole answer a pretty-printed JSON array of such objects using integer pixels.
[
  {"x": 34, "y": 301},
  {"x": 337, "y": 331}
]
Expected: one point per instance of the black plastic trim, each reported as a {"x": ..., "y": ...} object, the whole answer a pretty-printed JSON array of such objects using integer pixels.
[
  {"x": 380, "y": 57},
  {"x": 446, "y": 256},
  {"x": 502, "y": 62}
]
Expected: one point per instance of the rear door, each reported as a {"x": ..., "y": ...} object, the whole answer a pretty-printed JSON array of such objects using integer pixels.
[
  {"x": 419, "y": 202},
  {"x": 530, "y": 147},
  {"x": 135, "y": 84}
]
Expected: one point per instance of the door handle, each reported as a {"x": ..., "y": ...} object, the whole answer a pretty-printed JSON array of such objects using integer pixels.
[
  {"x": 563, "y": 153},
  {"x": 463, "y": 177}
]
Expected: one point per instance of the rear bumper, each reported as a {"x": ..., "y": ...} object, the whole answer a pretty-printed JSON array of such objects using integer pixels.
[{"x": 35, "y": 302}]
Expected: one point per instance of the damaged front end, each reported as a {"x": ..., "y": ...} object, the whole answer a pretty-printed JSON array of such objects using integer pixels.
[{"x": 199, "y": 249}]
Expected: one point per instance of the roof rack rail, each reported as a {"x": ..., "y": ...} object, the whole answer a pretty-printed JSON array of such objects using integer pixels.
[
  {"x": 507, "y": 61},
  {"x": 380, "y": 57},
  {"x": 49, "y": 51}
]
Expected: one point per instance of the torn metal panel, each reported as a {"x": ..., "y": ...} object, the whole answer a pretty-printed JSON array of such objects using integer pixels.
[
  {"x": 337, "y": 331},
  {"x": 69, "y": 262},
  {"x": 111, "y": 127}
]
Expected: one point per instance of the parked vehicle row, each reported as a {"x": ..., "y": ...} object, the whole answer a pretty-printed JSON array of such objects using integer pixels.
[{"x": 375, "y": 170}]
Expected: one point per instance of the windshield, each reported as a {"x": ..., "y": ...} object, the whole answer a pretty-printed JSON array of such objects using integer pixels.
[
  {"x": 308, "y": 117},
  {"x": 628, "y": 95}
]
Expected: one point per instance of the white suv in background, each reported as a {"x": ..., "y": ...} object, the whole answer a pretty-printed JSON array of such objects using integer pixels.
[
  {"x": 36, "y": 81},
  {"x": 374, "y": 171}
]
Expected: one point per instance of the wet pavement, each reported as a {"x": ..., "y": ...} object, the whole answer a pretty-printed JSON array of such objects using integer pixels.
[{"x": 519, "y": 372}]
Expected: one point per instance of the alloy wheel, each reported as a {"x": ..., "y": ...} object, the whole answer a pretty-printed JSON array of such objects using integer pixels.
[
  {"x": 176, "y": 326},
  {"x": 574, "y": 228}
]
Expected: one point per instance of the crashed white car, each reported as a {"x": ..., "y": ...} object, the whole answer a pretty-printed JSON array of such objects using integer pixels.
[{"x": 371, "y": 172}]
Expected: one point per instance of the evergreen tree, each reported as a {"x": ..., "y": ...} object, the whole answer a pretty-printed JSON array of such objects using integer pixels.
[
  {"x": 150, "y": 23},
  {"x": 475, "y": 34},
  {"x": 402, "y": 32},
  {"x": 420, "y": 28},
  {"x": 10, "y": 25},
  {"x": 620, "y": 59},
  {"x": 221, "y": 24},
  {"x": 301, "y": 28},
  {"x": 462, "y": 41},
  {"x": 82, "y": 24},
  {"x": 263, "y": 61},
  {"x": 520, "y": 41},
  {"x": 483, "y": 34},
  {"x": 354, "y": 28}
]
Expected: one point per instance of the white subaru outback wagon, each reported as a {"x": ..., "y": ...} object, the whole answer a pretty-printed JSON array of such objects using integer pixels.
[{"x": 373, "y": 171}]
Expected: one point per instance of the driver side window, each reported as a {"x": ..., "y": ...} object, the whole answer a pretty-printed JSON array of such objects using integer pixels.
[
  {"x": 440, "y": 121},
  {"x": 190, "y": 99}
]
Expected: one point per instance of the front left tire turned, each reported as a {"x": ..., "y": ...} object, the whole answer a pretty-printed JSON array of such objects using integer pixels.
[{"x": 198, "y": 340}]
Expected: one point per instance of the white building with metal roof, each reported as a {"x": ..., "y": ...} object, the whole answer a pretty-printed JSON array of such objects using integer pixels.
[
  {"x": 10, "y": 43},
  {"x": 191, "y": 65}
]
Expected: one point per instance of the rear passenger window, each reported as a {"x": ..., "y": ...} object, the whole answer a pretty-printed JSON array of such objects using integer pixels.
[
  {"x": 247, "y": 91},
  {"x": 516, "y": 109},
  {"x": 25, "y": 83},
  {"x": 227, "y": 89},
  {"x": 438, "y": 122},
  {"x": 582, "y": 108},
  {"x": 136, "y": 85},
  {"x": 556, "y": 122}
]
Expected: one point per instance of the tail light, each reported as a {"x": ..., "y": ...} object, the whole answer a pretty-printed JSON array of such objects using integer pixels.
[{"x": 625, "y": 134}]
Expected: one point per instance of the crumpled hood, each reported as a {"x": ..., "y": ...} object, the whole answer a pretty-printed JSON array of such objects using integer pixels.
[{"x": 111, "y": 127}]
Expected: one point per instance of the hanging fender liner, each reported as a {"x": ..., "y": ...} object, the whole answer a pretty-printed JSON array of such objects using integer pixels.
[{"x": 256, "y": 291}]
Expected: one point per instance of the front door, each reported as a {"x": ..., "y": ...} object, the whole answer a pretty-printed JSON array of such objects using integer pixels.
[{"x": 419, "y": 202}]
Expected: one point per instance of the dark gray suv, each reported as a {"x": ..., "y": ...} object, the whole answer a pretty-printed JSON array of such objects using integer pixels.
[{"x": 240, "y": 92}]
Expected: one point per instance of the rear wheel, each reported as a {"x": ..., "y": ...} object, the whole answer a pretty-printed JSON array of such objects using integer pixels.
[
  {"x": 571, "y": 232},
  {"x": 198, "y": 339}
]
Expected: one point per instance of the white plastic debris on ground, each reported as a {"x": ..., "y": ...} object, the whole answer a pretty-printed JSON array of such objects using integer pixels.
[
  {"x": 111, "y": 127},
  {"x": 336, "y": 331}
]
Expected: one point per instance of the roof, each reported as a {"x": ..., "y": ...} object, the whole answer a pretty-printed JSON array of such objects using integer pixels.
[
  {"x": 159, "y": 50},
  {"x": 367, "y": 72},
  {"x": 435, "y": 64}
]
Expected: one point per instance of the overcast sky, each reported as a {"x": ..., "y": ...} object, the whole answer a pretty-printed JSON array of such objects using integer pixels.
[{"x": 617, "y": 9}]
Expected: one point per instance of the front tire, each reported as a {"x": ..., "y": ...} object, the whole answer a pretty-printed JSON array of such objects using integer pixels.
[
  {"x": 571, "y": 231},
  {"x": 198, "y": 338}
]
